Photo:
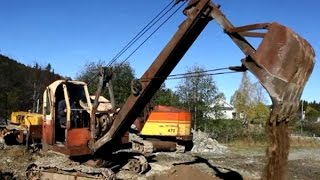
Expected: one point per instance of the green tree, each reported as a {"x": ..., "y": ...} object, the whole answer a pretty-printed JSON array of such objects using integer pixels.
[
  {"x": 199, "y": 94},
  {"x": 48, "y": 67},
  {"x": 242, "y": 98},
  {"x": 311, "y": 113},
  {"x": 258, "y": 113},
  {"x": 165, "y": 96},
  {"x": 89, "y": 75},
  {"x": 249, "y": 99},
  {"x": 122, "y": 76}
]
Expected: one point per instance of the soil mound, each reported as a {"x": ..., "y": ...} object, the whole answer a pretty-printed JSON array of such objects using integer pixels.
[{"x": 185, "y": 172}]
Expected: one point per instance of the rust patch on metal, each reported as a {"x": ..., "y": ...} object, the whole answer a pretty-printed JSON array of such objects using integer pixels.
[
  {"x": 78, "y": 137},
  {"x": 71, "y": 151},
  {"x": 48, "y": 132},
  {"x": 36, "y": 131}
]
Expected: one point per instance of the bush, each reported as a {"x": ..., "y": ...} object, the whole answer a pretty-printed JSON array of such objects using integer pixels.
[
  {"x": 226, "y": 131},
  {"x": 311, "y": 129},
  {"x": 305, "y": 128}
]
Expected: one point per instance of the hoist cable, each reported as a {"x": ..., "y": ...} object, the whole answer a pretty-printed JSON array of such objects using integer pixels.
[
  {"x": 151, "y": 34},
  {"x": 141, "y": 33}
]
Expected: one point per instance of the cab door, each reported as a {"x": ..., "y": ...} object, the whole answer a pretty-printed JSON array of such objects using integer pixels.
[{"x": 48, "y": 124}]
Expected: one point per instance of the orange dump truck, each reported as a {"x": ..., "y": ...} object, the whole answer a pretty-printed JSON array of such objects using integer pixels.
[{"x": 164, "y": 128}]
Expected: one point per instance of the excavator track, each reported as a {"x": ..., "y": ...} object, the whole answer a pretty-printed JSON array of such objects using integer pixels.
[
  {"x": 58, "y": 166},
  {"x": 61, "y": 167},
  {"x": 140, "y": 145},
  {"x": 148, "y": 146},
  {"x": 137, "y": 164}
]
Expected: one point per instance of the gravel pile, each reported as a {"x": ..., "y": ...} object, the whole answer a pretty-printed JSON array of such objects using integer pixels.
[{"x": 202, "y": 143}]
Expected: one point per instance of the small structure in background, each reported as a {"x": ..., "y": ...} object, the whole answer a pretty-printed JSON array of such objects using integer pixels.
[{"x": 227, "y": 111}]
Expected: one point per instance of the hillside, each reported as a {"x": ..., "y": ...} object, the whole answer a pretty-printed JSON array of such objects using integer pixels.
[{"x": 21, "y": 86}]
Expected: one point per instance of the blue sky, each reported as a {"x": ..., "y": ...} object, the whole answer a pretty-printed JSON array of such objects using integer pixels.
[{"x": 69, "y": 34}]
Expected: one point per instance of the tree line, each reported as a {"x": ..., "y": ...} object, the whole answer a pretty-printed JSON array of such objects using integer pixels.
[{"x": 21, "y": 86}]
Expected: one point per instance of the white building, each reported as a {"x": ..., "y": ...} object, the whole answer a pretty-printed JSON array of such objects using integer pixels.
[{"x": 227, "y": 110}]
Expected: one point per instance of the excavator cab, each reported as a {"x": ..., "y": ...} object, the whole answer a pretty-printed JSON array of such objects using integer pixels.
[{"x": 66, "y": 110}]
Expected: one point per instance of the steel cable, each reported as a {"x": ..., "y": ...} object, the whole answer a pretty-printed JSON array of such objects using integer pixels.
[
  {"x": 152, "y": 33},
  {"x": 141, "y": 33},
  {"x": 190, "y": 74}
]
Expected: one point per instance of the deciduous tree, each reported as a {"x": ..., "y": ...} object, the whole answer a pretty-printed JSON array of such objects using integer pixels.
[
  {"x": 122, "y": 76},
  {"x": 249, "y": 99},
  {"x": 165, "y": 96},
  {"x": 199, "y": 93}
]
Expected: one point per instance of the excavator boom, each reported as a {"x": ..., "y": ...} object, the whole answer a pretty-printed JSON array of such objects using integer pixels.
[
  {"x": 282, "y": 63},
  {"x": 197, "y": 18},
  {"x": 265, "y": 63}
]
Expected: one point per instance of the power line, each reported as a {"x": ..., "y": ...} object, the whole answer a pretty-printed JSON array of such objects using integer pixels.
[
  {"x": 191, "y": 74},
  {"x": 197, "y": 72},
  {"x": 152, "y": 33},
  {"x": 141, "y": 33},
  {"x": 137, "y": 36},
  {"x": 200, "y": 75}
]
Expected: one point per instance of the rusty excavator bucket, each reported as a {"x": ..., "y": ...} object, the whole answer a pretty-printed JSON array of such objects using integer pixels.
[{"x": 283, "y": 63}]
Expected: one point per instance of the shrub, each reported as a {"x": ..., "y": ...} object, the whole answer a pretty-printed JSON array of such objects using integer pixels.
[{"x": 226, "y": 131}]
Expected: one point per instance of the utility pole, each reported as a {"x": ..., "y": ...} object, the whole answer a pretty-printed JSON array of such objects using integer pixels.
[
  {"x": 302, "y": 117},
  {"x": 195, "y": 97},
  {"x": 195, "y": 109}
]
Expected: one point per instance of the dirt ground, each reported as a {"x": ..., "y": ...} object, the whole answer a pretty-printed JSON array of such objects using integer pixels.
[
  {"x": 237, "y": 163},
  {"x": 244, "y": 163}
]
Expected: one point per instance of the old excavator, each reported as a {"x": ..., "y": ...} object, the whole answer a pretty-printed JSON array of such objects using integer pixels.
[{"x": 282, "y": 63}]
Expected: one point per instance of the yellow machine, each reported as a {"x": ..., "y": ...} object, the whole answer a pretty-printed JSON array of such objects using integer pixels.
[
  {"x": 26, "y": 119},
  {"x": 22, "y": 128},
  {"x": 165, "y": 128},
  {"x": 167, "y": 121}
]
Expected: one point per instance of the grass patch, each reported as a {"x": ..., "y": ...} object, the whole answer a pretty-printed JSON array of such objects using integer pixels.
[{"x": 299, "y": 141}]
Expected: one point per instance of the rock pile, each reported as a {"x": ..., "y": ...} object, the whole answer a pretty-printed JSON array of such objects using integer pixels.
[{"x": 204, "y": 144}]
